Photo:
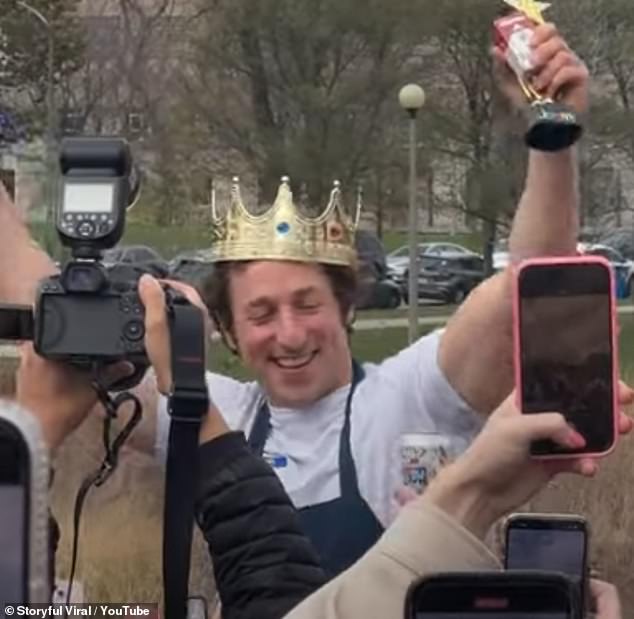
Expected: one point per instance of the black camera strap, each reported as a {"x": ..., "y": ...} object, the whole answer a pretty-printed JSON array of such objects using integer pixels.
[
  {"x": 111, "y": 458},
  {"x": 187, "y": 406}
]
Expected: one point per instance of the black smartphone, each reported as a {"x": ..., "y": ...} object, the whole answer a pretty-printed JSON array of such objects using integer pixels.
[
  {"x": 492, "y": 595},
  {"x": 553, "y": 542},
  {"x": 565, "y": 348},
  {"x": 16, "y": 322},
  {"x": 23, "y": 509}
]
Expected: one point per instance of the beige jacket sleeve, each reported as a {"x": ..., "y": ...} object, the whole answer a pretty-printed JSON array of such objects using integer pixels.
[{"x": 423, "y": 540}]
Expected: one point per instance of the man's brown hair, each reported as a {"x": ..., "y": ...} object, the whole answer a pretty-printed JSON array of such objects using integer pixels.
[{"x": 215, "y": 293}]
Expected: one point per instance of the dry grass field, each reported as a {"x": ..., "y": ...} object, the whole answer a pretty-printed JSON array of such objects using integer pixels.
[
  {"x": 121, "y": 529},
  {"x": 608, "y": 504}
]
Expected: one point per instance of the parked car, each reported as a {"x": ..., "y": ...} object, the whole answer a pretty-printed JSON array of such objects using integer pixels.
[
  {"x": 398, "y": 260},
  {"x": 622, "y": 240},
  {"x": 127, "y": 262},
  {"x": 377, "y": 290},
  {"x": 448, "y": 278},
  {"x": 192, "y": 267},
  {"x": 623, "y": 268},
  {"x": 131, "y": 254},
  {"x": 501, "y": 255}
]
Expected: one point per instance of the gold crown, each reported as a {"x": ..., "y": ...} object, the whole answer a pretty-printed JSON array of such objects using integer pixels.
[{"x": 283, "y": 233}]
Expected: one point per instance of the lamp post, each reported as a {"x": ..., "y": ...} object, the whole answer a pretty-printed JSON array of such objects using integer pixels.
[
  {"x": 412, "y": 98},
  {"x": 50, "y": 109}
]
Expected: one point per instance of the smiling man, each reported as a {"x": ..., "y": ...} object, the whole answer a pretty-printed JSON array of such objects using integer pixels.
[{"x": 283, "y": 295}]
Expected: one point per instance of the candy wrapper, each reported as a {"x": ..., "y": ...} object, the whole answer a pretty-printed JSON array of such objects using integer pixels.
[
  {"x": 552, "y": 126},
  {"x": 513, "y": 35}
]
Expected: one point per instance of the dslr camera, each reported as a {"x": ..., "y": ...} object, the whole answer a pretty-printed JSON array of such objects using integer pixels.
[{"x": 84, "y": 316}]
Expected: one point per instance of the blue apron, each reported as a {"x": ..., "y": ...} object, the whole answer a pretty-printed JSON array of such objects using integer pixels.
[{"x": 344, "y": 529}]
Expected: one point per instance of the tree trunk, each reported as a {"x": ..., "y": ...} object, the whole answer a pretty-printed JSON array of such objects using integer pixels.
[
  {"x": 490, "y": 232},
  {"x": 619, "y": 198},
  {"x": 430, "y": 197},
  {"x": 379, "y": 206}
]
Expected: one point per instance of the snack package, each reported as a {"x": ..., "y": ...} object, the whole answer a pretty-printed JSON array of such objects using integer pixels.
[{"x": 512, "y": 36}]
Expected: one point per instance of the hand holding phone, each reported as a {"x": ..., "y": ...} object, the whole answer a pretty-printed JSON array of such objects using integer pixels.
[
  {"x": 565, "y": 348},
  {"x": 550, "y": 542},
  {"x": 556, "y": 542},
  {"x": 492, "y": 595}
]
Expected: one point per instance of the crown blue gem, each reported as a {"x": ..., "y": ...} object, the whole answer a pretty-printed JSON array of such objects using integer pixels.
[{"x": 283, "y": 228}]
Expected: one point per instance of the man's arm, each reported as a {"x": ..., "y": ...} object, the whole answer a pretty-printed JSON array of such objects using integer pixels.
[
  {"x": 476, "y": 352},
  {"x": 29, "y": 263}
]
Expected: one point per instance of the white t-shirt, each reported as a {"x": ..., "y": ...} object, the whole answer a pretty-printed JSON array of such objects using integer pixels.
[{"x": 404, "y": 394}]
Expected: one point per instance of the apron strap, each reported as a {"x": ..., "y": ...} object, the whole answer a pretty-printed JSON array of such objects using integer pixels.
[
  {"x": 347, "y": 470},
  {"x": 261, "y": 429}
]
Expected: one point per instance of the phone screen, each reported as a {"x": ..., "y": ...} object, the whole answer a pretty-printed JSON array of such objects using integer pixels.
[
  {"x": 566, "y": 350},
  {"x": 552, "y": 549},
  {"x": 13, "y": 518}
]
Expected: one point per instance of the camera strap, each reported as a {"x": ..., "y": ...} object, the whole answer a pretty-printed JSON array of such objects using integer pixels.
[
  {"x": 111, "y": 458},
  {"x": 187, "y": 405}
]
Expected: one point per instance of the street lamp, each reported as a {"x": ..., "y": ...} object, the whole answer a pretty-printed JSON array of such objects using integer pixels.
[
  {"x": 50, "y": 108},
  {"x": 412, "y": 98}
]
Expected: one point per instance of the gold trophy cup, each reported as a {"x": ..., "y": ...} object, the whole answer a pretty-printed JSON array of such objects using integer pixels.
[{"x": 553, "y": 126}]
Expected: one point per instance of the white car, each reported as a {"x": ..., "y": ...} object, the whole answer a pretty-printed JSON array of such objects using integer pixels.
[
  {"x": 501, "y": 255},
  {"x": 398, "y": 260},
  {"x": 623, "y": 268}
]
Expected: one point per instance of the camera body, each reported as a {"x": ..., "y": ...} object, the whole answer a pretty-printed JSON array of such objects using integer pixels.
[
  {"x": 83, "y": 315},
  {"x": 85, "y": 328}
]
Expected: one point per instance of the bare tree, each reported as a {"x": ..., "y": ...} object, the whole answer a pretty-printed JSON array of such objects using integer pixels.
[
  {"x": 24, "y": 49},
  {"x": 301, "y": 87}
]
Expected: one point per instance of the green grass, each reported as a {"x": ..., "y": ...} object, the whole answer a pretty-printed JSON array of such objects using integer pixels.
[{"x": 169, "y": 241}]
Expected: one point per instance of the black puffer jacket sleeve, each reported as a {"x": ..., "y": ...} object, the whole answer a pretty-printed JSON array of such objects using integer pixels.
[{"x": 263, "y": 564}]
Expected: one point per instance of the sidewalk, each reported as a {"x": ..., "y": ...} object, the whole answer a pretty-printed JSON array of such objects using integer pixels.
[{"x": 395, "y": 323}]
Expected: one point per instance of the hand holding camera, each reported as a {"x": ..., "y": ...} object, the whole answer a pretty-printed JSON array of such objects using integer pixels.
[{"x": 59, "y": 395}]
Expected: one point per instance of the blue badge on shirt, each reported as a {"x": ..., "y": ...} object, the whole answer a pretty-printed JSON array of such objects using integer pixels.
[{"x": 277, "y": 461}]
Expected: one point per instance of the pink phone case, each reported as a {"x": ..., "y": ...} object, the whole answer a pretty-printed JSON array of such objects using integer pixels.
[{"x": 536, "y": 262}]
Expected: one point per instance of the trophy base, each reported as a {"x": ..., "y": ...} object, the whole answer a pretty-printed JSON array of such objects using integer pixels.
[{"x": 553, "y": 127}]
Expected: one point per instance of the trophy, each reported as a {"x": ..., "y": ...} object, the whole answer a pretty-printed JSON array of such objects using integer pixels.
[{"x": 553, "y": 126}]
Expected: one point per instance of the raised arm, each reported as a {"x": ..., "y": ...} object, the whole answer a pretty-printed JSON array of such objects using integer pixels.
[
  {"x": 476, "y": 349},
  {"x": 29, "y": 263}
]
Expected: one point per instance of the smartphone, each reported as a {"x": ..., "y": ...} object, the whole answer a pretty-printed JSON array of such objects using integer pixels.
[
  {"x": 24, "y": 552},
  {"x": 553, "y": 542},
  {"x": 16, "y": 322},
  {"x": 566, "y": 348},
  {"x": 492, "y": 595}
]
